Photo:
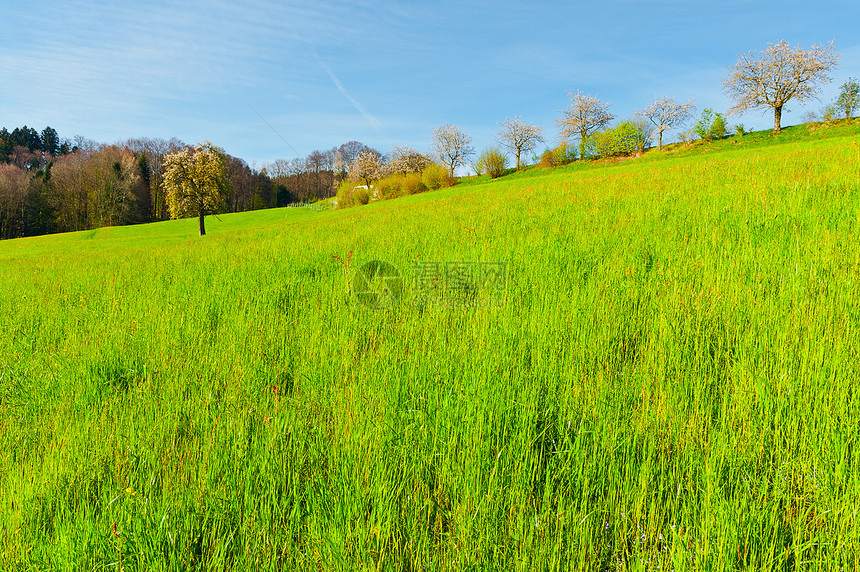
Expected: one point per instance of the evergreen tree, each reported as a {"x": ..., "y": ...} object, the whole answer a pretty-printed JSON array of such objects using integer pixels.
[{"x": 50, "y": 141}]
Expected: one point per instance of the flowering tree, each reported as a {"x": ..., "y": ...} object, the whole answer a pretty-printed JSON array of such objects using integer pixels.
[
  {"x": 196, "y": 182},
  {"x": 452, "y": 145},
  {"x": 519, "y": 137},
  {"x": 776, "y": 75},
  {"x": 666, "y": 114},
  {"x": 585, "y": 115},
  {"x": 365, "y": 167},
  {"x": 407, "y": 160}
]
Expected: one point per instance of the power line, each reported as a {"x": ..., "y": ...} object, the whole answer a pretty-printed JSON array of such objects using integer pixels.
[{"x": 276, "y": 132}]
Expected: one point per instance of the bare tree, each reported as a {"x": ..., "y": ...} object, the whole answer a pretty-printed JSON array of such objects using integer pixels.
[
  {"x": 348, "y": 152},
  {"x": 13, "y": 192},
  {"x": 776, "y": 75},
  {"x": 155, "y": 151},
  {"x": 452, "y": 145},
  {"x": 84, "y": 144},
  {"x": 299, "y": 181},
  {"x": 849, "y": 97},
  {"x": 69, "y": 191},
  {"x": 519, "y": 137},
  {"x": 585, "y": 115},
  {"x": 666, "y": 114},
  {"x": 315, "y": 163},
  {"x": 24, "y": 158},
  {"x": 331, "y": 171},
  {"x": 112, "y": 177},
  {"x": 241, "y": 185},
  {"x": 278, "y": 170}
]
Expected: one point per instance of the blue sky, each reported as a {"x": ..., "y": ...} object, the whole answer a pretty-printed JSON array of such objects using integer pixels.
[{"x": 384, "y": 73}]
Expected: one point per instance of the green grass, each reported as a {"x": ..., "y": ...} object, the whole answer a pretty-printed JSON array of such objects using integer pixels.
[{"x": 669, "y": 384}]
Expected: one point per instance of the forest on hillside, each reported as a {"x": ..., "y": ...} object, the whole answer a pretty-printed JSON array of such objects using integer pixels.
[{"x": 51, "y": 184}]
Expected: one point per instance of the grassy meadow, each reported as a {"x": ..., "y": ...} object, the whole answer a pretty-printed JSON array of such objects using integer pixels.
[{"x": 666, "y": 381}]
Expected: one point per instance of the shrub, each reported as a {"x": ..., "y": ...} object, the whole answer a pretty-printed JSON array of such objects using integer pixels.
[
  {"x": 435, "y": 176},
  {"x": 344, "y": 194},
  {"x": 703, "y": 126},
  {"x": 626, "y": 138},
  {"x": 389, "y": 188},
  {"x": 599, "y": 145},
  {"x": 561, "y": 155},
  {"x": 633, "y": 135},
  {"x": 719, "y": 127},
  {"x": 493, "y": 161},
  {"x": 739, "y": 129},
  {"x": 711, "y": 126},
  {"x": 849, "y": 97},
  {"x": 360, "y": 196},
  {"x": 564, "y": 154},
  {"x": 547, "y": 159},
  {"x": 411, "y": 184}
]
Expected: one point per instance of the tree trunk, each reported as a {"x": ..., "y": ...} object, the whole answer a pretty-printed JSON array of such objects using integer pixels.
[
  {"x": 518, "y": 160},
  {"x": 582, "y": 136},
  {"x": 202, "y": 225},
  {"x": 777, "y": 116},
  {"x": 659, "y": 139}
]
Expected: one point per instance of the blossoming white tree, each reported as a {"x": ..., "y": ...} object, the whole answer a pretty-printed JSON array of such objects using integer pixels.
[
  {"x": 196, "y": 182},
  {"x": 406, "y": 160},
  {"x": 452, "y": 145},
  {"x": 519, "y": 137},
  {"x": 666, "y": 114},
  {"x": 585, "y": 115},
  {"x": 365, "y": 167},
  {"x": 778, "y": 74}
]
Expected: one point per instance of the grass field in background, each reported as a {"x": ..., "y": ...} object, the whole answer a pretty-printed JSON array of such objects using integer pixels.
[{"x": 667, "y": 380}]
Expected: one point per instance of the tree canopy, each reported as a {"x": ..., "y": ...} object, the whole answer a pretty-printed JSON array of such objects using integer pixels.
[
  {"x": 778, "y": 74},
  {"x": 585, "y": 115},
  {"x": 849, "y": 97},
  {"x": 665, "y": 113},
  {"x": 196, "y": 182},
  {"x": 519, "y": 137},
  {"x": 452, "y": 145}
]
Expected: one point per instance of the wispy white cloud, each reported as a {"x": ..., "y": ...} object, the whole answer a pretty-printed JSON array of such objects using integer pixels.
[
  {"x": 110, "y": 69},
  {"x": 370, "y": 118}
]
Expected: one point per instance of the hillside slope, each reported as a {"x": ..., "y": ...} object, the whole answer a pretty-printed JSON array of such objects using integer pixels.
[{"x": 661, "y": 377}]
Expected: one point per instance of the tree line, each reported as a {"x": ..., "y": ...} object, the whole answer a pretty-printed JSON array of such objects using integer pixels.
[
  {"x": 31, "y": 149},
  {"x": 49, "y": 184}
]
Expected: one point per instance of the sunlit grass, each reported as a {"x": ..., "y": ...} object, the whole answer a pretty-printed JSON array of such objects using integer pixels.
[{"x": 669, "y": 383}]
